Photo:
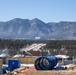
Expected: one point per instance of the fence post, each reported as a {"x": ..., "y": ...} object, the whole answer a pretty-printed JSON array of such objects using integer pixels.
[{"x": 0, "y": 66}]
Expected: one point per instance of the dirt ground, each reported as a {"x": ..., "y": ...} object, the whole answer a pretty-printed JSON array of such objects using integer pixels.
[
  {"x": 71, "y": 70},
  {"x": 50, "y": 73}
]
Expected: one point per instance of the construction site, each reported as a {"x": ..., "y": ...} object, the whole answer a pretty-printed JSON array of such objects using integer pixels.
[{"x": 34, "y": 63}]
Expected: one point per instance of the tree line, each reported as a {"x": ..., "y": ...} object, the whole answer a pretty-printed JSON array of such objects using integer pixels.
[{"x": 54, "y": 46}]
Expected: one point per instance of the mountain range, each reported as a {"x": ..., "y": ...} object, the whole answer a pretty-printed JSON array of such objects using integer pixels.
[{"x": 36, "y": 29}]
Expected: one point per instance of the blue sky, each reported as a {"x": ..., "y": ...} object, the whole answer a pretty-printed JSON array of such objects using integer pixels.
[{"x": 46, "y": 10}]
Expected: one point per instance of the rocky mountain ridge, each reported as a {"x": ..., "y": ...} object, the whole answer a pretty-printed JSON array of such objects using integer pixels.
[{"x": 31, "y": 29}]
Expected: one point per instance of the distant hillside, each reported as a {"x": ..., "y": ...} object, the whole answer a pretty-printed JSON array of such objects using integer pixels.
[{"x": 29, "y": 29}]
